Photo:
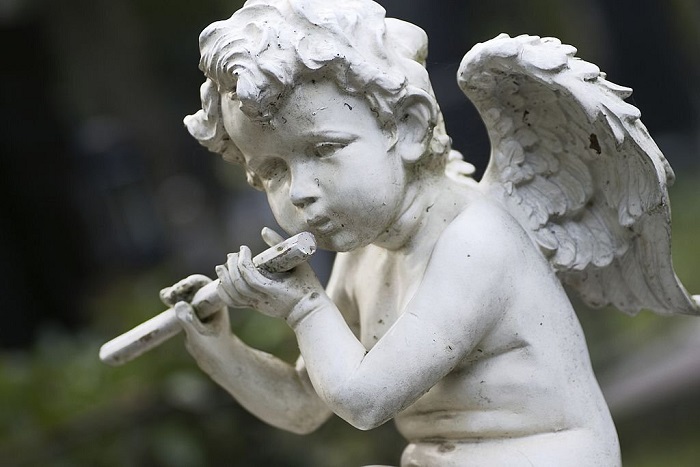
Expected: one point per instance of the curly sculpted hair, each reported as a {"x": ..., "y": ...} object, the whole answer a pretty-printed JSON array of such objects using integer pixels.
[{"x": 268, "y": 46}]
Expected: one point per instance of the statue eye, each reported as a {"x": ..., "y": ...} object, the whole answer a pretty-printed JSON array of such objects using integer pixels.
[{"x": 327, "y": 149}]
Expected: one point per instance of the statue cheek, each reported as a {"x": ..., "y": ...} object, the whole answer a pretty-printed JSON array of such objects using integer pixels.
[
  {"x": 285, "y": 216},
  {"x": 278, "y": 196}
]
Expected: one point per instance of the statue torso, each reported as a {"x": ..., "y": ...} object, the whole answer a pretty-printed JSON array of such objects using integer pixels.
[{"x": 528, "y": 376}]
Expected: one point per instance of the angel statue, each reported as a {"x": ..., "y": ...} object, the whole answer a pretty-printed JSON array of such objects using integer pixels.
[{"x": 445, "y": 310}]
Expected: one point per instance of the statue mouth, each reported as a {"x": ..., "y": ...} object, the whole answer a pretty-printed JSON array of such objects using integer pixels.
[{"x": 322, "y": 224}]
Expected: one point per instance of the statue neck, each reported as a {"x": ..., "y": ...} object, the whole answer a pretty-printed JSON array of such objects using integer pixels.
[{"x": 429, "y": 205}]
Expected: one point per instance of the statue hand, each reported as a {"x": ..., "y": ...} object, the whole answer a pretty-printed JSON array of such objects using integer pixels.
[
  {"x": 206, "y": 340},
  {"x": 242, "y": 285},
  {"x": 179, "y": 296},
  {"x": 184, "y": 290}
]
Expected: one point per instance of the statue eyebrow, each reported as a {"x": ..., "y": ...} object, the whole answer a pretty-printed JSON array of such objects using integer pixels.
[{"x": 333, "y": 135}]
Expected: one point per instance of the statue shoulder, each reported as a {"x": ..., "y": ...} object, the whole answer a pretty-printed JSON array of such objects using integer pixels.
[{"x": 485, "y": 224}]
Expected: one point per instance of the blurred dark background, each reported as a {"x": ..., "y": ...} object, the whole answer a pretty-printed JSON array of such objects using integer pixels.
[{"x": 106, "y": 199}]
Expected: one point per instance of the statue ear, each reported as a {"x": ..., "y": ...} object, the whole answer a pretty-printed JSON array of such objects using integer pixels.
[{"x": 416, "y": 119}]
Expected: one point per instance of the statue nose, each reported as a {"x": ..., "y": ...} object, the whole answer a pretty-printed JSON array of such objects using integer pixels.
[
  {"x": 304, "y": 190},
  {"x": 302, "y": 201}
]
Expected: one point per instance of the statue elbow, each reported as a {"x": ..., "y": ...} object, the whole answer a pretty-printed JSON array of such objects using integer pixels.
[
  {"x": 301, "y": 423},
  {"x": 362, "y": 411},
  {"x": 370, "y": 419},
  {"x": 367, "y": 422},
  {"x": 303, "y": 428}
]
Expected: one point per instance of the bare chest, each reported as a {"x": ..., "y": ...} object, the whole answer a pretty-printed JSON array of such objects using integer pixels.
[{"x": 382, "y": 290}]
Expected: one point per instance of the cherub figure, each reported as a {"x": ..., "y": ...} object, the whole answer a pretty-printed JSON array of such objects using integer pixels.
[{"x": 445, "y": 310}]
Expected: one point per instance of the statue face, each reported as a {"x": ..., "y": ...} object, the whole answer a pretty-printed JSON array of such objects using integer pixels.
[{"x": 325, "y": 165}]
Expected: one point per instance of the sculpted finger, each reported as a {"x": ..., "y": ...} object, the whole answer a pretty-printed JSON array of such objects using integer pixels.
[
  {"x": 173, "y": 294},
  {"x": 271, "y": 237},
  {"x": 189, "y": 320},
  {"x": 226, "y": 289},
  {"x": 245, "y": 256},
  {"x": 184, "y": 290},
  {"x": 196, "y": 281},
  {"x": 233, "y": 289},
  {"x": 254, "y": 280},
  {"x": 165, "y": 296}
]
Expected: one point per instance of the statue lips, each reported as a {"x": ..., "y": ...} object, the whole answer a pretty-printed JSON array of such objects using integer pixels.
[{"x": 323, "y": 225}]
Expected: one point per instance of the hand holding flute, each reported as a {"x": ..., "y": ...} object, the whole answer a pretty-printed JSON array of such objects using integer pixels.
[{"x": 206, "y": 301}]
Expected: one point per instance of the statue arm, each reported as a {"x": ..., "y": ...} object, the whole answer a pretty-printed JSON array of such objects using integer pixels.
[
  {"x": 440, "y": 326},
  {"x": 271, "y": 389}
]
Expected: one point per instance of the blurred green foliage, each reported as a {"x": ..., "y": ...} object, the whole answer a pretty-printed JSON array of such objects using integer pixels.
[{"x": 62, "y": 407}]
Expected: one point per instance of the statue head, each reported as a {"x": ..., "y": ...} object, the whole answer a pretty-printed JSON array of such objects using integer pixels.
[{"x": 268, "y": 47}]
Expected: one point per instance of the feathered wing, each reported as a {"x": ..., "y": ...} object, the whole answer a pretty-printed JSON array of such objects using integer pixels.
[{"x": 573, "y": 163}]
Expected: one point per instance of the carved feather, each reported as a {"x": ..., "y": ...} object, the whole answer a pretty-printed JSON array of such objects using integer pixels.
[{"x": 573, "y": 163}]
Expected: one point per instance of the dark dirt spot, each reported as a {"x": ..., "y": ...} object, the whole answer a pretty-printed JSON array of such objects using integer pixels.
[
  {"x": 595, "y": 145},
  {"x": 447, "y": 447}
]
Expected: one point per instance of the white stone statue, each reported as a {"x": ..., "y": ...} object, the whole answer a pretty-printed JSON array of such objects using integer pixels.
[{"x": 445, "y": 310}]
